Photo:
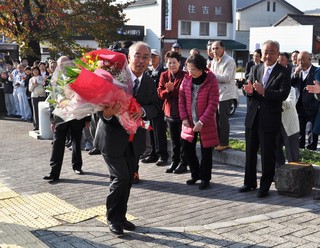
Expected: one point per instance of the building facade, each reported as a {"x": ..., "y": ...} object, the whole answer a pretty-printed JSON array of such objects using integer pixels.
[{"x": 191, "y": 23}]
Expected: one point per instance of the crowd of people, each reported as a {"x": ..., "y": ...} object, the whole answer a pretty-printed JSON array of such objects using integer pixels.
[
  {"x": 24, "y": 86},
  {"x": 191, "y": 98}
]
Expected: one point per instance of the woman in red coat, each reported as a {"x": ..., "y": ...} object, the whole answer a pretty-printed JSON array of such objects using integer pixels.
[
  {"x": 168, "y": 91},
  {"x": 198, "y": 102}
]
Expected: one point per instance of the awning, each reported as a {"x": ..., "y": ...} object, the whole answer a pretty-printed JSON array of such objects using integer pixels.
[{"x": 202, "y": 44}]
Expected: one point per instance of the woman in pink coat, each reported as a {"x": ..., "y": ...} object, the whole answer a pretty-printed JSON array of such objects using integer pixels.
[{"x": 198, "y": 102}]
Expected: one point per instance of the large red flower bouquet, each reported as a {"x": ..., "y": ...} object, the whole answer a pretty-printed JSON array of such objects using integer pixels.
[{"x": 100, "y": 78}]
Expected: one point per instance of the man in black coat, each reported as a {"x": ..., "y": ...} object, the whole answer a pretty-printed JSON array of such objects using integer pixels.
[
  {"x": 120, "y": 154},
  {"x": 307, "y": 105},
  {"x": 158, "y": 136},
  {"x": 268, "y": 85},
  {"x": 256, "y": 59},
  {"x": 61, "y": 129}
]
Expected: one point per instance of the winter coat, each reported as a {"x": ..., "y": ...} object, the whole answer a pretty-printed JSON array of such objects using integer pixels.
[
  {"x": 170, "y": 105},
  {"x": 207, "y": 104}
]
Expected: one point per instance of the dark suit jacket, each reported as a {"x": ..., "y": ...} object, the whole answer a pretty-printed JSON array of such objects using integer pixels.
[
  {"x": 112, "y": 138},
  {"x": 307, "y": 104},
  {"x": 269, "y": 106},
  {"x": 249, "y": 65}
]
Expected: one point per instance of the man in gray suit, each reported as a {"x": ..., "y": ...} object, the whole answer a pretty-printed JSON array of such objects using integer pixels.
[
  {"x": 120, "y": 154},
  {"x": 268, "y": 85}
]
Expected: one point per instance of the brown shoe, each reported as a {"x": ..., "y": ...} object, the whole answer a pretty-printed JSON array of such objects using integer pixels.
[{"x": 220, "y": 148}]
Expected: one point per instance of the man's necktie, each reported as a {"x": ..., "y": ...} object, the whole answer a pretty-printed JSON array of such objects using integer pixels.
[
  {"x": 266, "y": 76},
  {"x": 135, "y": 87}
]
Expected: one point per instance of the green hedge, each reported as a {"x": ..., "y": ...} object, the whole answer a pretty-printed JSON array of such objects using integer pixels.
[{"x": 306, "y": 156}]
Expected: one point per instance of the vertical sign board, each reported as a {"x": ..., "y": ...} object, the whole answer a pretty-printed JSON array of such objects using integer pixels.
[{"x": 168, "y": 15}]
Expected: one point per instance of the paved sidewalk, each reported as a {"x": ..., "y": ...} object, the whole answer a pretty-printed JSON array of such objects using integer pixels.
[{"x": 167, "y": 212}]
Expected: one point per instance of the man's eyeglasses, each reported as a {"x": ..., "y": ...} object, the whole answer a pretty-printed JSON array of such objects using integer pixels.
[{"x": 142, "y": 57}]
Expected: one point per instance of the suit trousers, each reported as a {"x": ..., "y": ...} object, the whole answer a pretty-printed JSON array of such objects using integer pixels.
[
  {"x": 121, "y": 170},
  {"x": 223, "y": 114},
  {"x": 178, "y": 154},
  {"x": 198, "y": 170},
  {"x": 158, "y": 137},
  {"x": 256, "y": 137},
  {"x": 75, "y": 127},
  {"x": 312, "y": 137}
]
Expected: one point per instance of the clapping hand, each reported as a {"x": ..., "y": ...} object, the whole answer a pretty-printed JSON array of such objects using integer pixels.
[
  {"x": 259, "y": 88},
  {"x": 314, "y": 88},
  {"x": 248, "y": 88},
  {"x": 169, "y": 86}
]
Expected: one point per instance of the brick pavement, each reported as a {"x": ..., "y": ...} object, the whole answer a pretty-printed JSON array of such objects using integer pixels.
[{"x": 168, "y": 212}]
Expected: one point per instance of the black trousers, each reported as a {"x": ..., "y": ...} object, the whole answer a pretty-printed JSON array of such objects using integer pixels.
[
  {"x": 121, "y": 170},
  {"x": 59, "y": 138},
  {"x": 198, "y": 170},
  {"x": 257, "y": 138},
  {"x": 178, "y": 155},
  {"x": 312, "y": 137},
  {"x": 35, "y": 110},
  {"x": 158, "y": 137}
]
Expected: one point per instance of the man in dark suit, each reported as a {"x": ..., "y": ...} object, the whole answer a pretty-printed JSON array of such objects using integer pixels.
[
  {"x": 307, "y": 106},
  {"x": 256, "y": 59},
  {"x": 268, "y": 85},
  {"x": 61, "y": 129},
  {"x": 158, "y": 136},
  {"x": 120, "y": 154}
]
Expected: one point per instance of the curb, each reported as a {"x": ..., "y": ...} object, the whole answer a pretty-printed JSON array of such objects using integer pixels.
[{"x": 238, "y": 158}]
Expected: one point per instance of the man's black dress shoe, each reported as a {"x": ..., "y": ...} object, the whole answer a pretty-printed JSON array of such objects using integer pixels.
[
  {"x": 79, "y": 172},
  {"x": 50, "y": 177},
  {"x": 180, "y": 169},
  {"x": 311, "y": 147},
  {"x": 262, "y": 194},
  {"x": 116, "y": 229},
  {"x": 204, "y": 185},
  {"x": 150, "y": 159},
  {"x": 162, "y": 162},
  {"x": 145, "y": 155},
  {"x": 172, "y": 167},
  {"x": 94, "y": 151},
  {"x": 127, "y": 225},
  {"x": 192, "y": 181},
  {"x": 246, "y": 188}
]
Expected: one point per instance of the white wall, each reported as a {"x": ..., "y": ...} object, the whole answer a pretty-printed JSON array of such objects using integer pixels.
[
  {"x": 149, "y": 17},
  {"x": 285, "y": 35}
]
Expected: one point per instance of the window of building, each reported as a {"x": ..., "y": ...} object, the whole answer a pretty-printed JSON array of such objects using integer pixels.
[
  {"x": 218, "y": 11},
  {"x": 185, "y": 28},
  {"x": 268, "y": 6},
  {"x": 222, "y": 29},
  {"x": 205, "y": 10},
  {"x": 204, "y": 28},
  {"x": 274, "y": 6},
  {"x": 192, "y": 9}
]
